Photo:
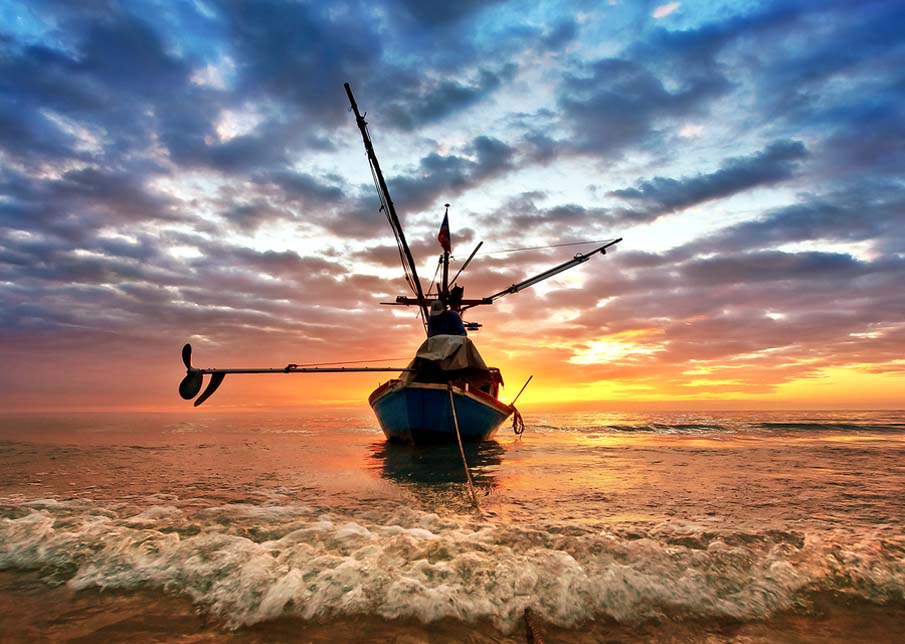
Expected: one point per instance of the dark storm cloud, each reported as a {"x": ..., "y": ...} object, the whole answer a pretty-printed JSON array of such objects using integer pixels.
[
  {"x": 661, "y": 195},
  {"x": 299, "y": 54},
  {"x": 120, "y": 77},
  {"x": 250, "y": 216},
  {"x": 33, "y": 80},
  {"x": 541, "y": 148},
  {"x": 238, "y": 155}
]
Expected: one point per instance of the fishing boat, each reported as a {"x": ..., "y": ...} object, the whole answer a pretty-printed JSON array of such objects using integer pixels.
[{"x": 447, "y": 392}]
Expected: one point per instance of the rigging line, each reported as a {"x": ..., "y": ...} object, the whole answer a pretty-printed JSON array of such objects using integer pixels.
[
  {"x": 402, "y": 260},
  {"x": 576, "y": 243},
  {"x": 318, "y": 364},
  {"x": 386, "y": 211},
  {"x": 407, "y": 267},
  {"x": 433, "y": 279}
]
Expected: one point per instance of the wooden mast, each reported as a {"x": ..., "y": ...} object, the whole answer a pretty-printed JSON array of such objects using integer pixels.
[{"x": 409, "y": 261}]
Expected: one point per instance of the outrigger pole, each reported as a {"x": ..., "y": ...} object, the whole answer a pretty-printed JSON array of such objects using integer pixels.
[
  {"x": 387, "y": 205},
  {"x": 580, "y": 258},
  {"x": 191, "y": 384},
  {"x": 465, "y": 265}
]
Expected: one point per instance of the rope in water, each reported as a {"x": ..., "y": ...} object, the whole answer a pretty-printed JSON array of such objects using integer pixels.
[{"x": 452, "y": 405}]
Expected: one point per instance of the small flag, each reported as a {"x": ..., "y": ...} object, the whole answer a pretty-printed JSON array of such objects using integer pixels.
[{"x": 443, "y": 236}]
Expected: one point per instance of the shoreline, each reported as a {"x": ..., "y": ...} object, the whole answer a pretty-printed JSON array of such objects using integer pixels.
[{"x": 33, "y": 610}]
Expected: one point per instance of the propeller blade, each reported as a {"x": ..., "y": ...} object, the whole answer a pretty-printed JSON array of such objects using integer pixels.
[
  {"x": 191, "y": 384},
  {"x": 187, "y": 356},
  {"x": 216, "y": 379}
]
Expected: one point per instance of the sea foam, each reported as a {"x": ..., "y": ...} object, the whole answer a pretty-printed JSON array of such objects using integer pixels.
[{"x": 244, "y": 563}]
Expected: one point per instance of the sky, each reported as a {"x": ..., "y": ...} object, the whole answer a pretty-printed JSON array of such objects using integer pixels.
[{"x": 177, "y": 172}]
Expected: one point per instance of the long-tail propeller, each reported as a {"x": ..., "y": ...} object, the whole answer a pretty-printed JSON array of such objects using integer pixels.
[{"x": 194, "y": 377}]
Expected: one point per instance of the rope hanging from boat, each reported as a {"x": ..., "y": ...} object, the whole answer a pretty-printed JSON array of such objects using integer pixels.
[
  {"x": 518, "y": 424},
  {"x": 452, "y": 406}
]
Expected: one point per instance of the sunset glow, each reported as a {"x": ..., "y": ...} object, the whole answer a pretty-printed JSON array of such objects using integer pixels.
[{"x": 193, "y": 175}]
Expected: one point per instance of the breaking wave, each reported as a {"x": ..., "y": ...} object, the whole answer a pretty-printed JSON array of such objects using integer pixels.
[
  {"x": 833, "y": 427},
  {"x": 244, "y": 563},
  {"x": 723, "y": 425}
]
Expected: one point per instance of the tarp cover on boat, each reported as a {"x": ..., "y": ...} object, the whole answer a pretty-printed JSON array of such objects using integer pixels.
[{"x": 443, "y": 357}]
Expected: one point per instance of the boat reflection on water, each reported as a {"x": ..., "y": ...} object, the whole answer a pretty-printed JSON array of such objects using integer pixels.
[{"x": 438, "y": 464}]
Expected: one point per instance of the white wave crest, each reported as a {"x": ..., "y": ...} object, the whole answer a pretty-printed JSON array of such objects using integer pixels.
[{"x": 245, "y": 563}]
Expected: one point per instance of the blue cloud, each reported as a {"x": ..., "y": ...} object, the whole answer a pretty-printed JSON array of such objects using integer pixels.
[{"x": 660, "y": 195}]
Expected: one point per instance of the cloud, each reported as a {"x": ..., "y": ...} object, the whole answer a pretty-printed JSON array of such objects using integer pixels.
[
  {"x": 871, "y": 212},
  {"x": 709, "y": 317},
  {"x": 129, "y": 216},
  {"x": 661, "y": 195},
  {"x": 446, "y": 175},
  {"x": 664, "y": 10},
  {"x": 617, "y": 103},
  {"x": 80, "y": 200},
  {"x": 521, "y": 214},
  {"x": 422, "y": 100},
  {"x": 437, "y": 13}
]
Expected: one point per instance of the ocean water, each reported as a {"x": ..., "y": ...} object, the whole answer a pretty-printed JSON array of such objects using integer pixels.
[{"x": 668, "y": 527}]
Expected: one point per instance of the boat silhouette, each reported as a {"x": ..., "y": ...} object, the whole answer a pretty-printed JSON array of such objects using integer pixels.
[{"x": 447, "y": 392}]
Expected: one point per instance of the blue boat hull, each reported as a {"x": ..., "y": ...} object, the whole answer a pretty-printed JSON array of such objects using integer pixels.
[{"x": 420, "y": 413}]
